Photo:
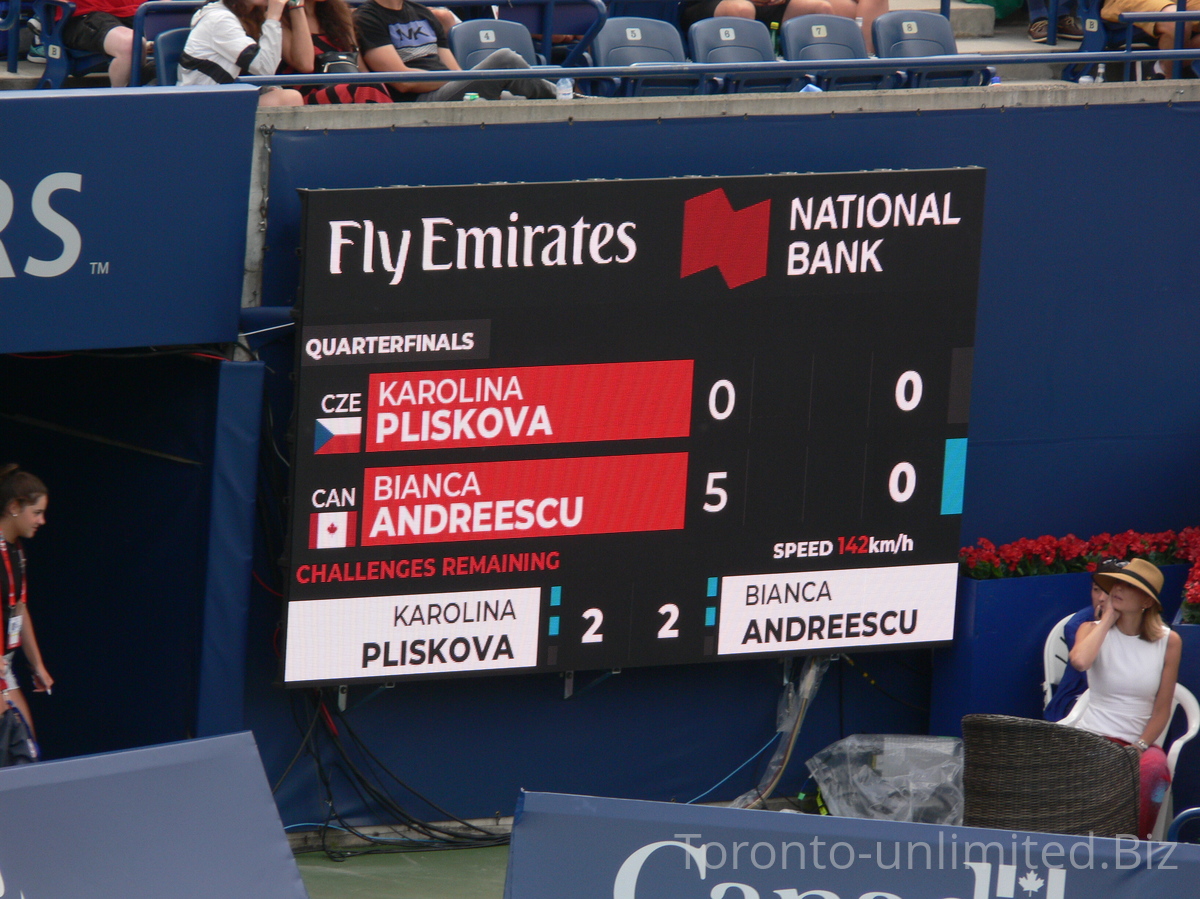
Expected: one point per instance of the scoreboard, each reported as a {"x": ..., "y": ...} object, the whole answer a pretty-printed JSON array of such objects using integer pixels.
[{"x": 605, "y": 424}]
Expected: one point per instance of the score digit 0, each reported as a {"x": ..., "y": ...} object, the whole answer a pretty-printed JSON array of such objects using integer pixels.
[{"x": 902, "y": 482}]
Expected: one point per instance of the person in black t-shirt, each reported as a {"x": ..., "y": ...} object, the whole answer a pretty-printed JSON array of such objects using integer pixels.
[
  {"x": 400, "y": 36},
  {"x": 23, "y": 510}
]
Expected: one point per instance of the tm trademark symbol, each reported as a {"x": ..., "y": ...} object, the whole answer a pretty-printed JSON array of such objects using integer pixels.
[{"x": 99, "y": 268}]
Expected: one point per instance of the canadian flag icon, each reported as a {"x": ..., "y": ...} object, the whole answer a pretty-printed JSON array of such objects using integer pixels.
[{"x": 332, "y": 530}]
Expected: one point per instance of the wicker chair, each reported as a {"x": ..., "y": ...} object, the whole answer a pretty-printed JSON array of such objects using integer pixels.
[{"x": 1022, "y": 774}]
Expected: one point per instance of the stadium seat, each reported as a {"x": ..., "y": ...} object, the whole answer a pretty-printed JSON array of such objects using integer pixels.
[
  {"x": 633, "y": 41},
  {"x": 155, "y": 17},
  {"x": 474, "y": 40},
  {"x": 167, "y": 47},
  {"x": 816, "y": 37},
  {"x": 1100, "y": 35},
  {"x": 13, "y": 15},
  {"x": 60, "y": 61},
  {"x": 729, "y": 39},
  {"x": 546, "y": 18},
  {"x": 912, "y": 34}
]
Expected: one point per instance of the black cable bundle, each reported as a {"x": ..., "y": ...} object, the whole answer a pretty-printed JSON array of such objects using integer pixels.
[{"x": 368, "y": 777}]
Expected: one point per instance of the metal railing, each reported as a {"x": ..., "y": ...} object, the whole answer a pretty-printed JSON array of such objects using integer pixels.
[{"x": 783, "y": 68}]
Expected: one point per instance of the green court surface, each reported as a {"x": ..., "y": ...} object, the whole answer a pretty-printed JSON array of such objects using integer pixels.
[{"x": 457, "y": 874}]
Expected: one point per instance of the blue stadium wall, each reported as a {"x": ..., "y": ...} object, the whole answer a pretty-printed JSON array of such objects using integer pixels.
[{"x": 1085, "y": 418}]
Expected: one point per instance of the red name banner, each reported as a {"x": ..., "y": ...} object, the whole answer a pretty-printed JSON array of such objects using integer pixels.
[
  {"x": 546, "y": 404},
  {"x": 529, "y": 498}
]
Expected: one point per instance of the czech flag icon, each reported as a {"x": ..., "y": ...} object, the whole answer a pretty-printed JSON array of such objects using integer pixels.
[
  {"x": 337, "y": 435},
  {"x": 332, "y": 530}
]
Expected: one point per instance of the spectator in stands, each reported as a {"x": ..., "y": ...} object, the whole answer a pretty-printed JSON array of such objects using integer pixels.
[
  {"x": 1163, "y": 32},
  {"x": 1074, "y": 682},
  {"x": 1039, "y": 22},
  {"x": 1132, "y": 660},
  {"x": 105, "y": 26},
  {"x": 23, "y": 504},
  {"x": 779, "y": 11},
  {"x": 320, "y": 33},
  {"x": 237, "y": 37},
  {"x": 404, "y": 36}
]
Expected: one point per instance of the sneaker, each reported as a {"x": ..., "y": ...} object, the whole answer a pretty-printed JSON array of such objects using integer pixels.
[
  {"x": 1039, "y": 30},
  {"x": 37, "y": 50},
  {"x": 1068, "y": 29}
]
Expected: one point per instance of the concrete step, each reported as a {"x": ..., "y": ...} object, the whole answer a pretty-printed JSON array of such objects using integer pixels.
[
  {"x": 1014, "y": 38},
  {"x": 968, "y": 19}
]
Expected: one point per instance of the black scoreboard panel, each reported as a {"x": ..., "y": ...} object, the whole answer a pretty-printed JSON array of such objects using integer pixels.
[{"x": 606, "y": 424}]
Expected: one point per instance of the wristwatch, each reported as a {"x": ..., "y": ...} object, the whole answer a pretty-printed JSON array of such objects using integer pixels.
[{"x": 1141, "y": 744}]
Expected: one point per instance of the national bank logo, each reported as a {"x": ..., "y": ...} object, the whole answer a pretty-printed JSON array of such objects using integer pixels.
[{"x": 715, "y": 235}]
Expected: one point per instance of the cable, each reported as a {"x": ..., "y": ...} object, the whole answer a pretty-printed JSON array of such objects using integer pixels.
[
  {"x": 362, "y": 778},
  {"x": 870, "y": 680},
  {"x": 765, "y": 746}
]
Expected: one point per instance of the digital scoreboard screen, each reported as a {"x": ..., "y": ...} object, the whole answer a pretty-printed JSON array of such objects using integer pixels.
[{"x": 605, "y": 424}]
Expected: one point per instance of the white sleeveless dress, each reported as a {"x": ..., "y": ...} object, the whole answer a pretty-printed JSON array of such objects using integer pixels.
[{"x": 1122, "y": 684}]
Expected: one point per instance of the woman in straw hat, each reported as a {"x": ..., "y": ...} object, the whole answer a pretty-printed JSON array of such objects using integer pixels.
[{"x": 1132, "y": 660}]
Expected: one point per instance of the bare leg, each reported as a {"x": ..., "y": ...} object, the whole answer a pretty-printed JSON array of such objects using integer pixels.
[
  {"x": 118, "y": 44},
  {"x": 741, "y": 9},
  {"x": 869, "y": 10},
  {"x": 282, "y": 97},
  {"x": 808, "y": 8}
]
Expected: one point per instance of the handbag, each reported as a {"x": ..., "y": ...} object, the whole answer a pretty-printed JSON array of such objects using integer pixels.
[
  {"x": 333, "y": 62},
  {"x": 17, "y": 746}
]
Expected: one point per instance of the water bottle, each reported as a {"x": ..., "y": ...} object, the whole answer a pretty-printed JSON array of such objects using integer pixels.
[
  {"x": 775, "y": 38},
  {"x": 565, "y": 89}
]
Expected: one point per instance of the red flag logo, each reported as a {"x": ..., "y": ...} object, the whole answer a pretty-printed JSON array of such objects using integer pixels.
[{"x": 734, "y": 242}]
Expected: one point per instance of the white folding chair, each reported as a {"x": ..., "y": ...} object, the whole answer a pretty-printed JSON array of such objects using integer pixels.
[{"x": 1054, "y": 659}]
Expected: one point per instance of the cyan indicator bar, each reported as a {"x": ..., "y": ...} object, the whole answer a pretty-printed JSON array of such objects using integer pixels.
[
  {"x": 954, "y": 475},
  {"x": 553, "y": 626},
  {"x": 710, "y": 616},
  {"x": 556, "y": 596},
  {"x": 712, "y": 586}
]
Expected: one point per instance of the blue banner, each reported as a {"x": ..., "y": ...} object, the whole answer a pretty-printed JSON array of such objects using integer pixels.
[
  {"x": 127, "y": 226},
  {"x": 591, "y": 848},
  {"x": 192, "y": 819}
]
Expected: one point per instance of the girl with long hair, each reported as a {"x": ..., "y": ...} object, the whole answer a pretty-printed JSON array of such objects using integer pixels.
[
  {"x": 315, "y": 27},
  {"x": 237, "y": 37}
]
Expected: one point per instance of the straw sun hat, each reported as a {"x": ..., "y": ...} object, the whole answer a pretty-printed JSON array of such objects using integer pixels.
[{"x": 1138, "y": 573}]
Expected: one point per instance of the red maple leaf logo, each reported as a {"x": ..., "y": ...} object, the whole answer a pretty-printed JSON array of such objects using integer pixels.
[{"x": 332, "y": 528}]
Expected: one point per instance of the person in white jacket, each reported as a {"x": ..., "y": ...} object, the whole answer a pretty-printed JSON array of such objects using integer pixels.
[{"x": 237, "y": 37}]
